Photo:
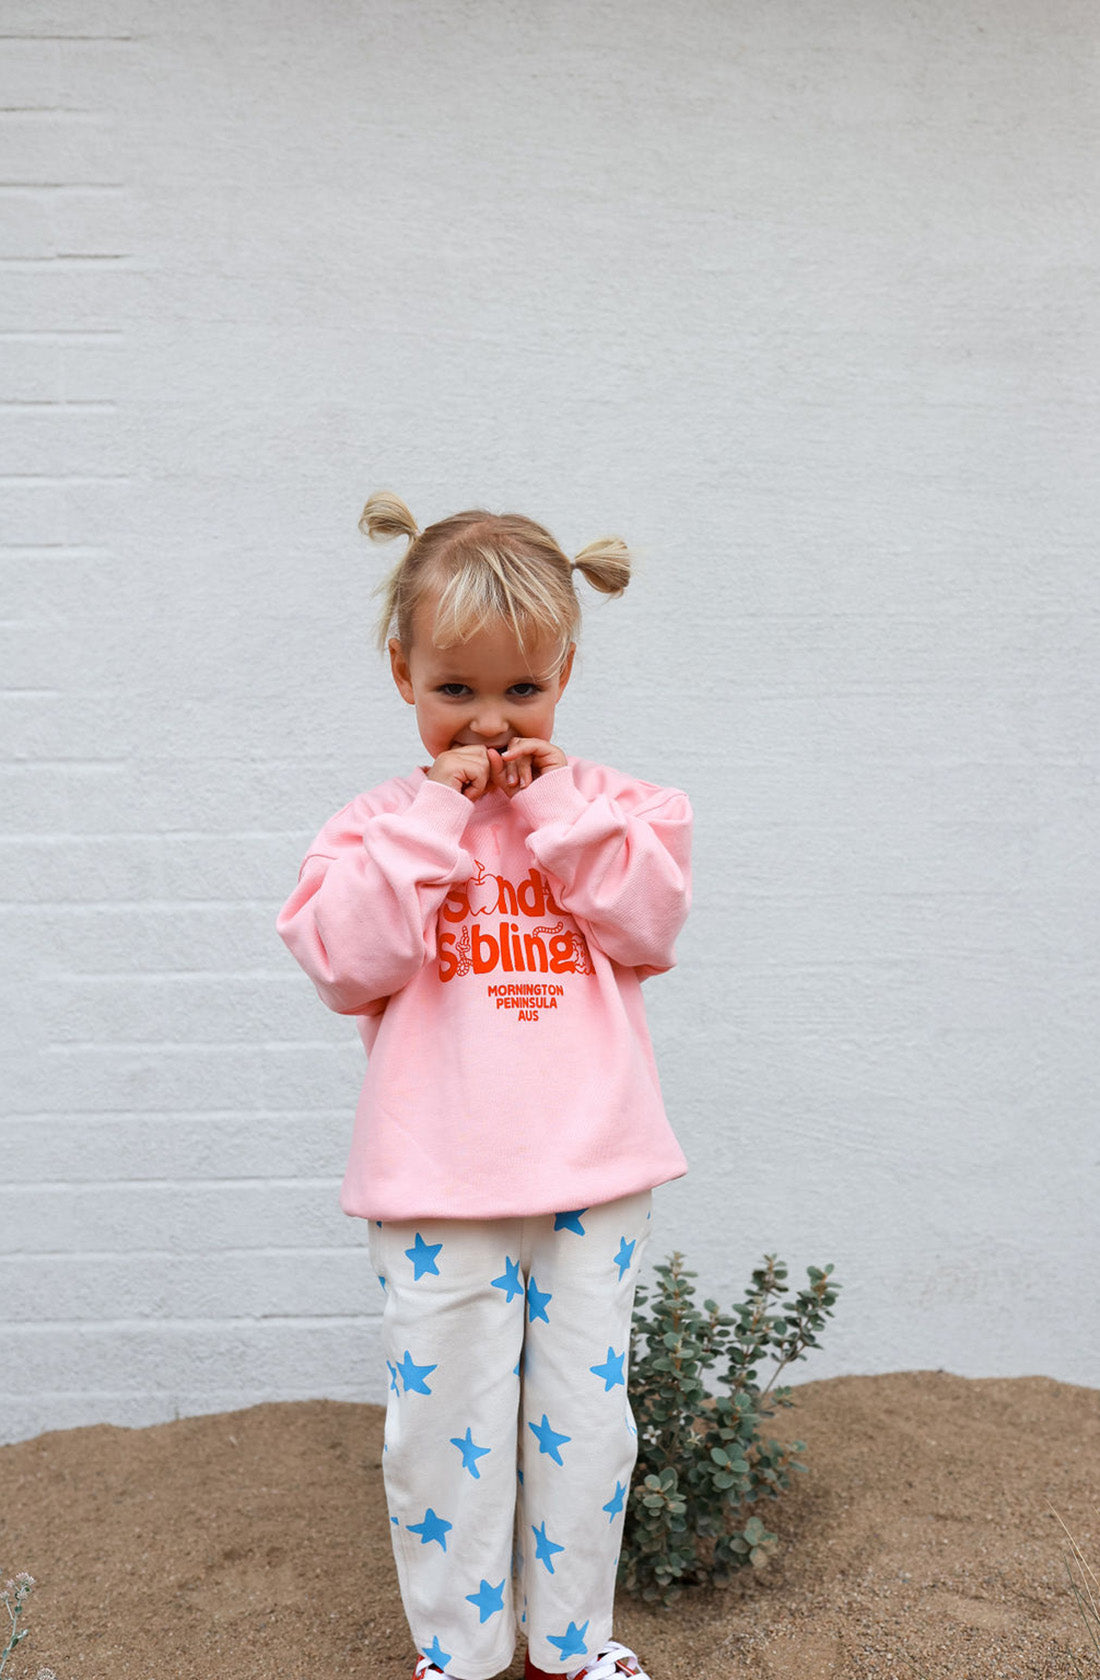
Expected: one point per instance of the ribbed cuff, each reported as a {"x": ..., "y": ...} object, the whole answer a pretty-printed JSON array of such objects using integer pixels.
[
  {"x": 441, "y": 809},
  {"x": 551, "y": 797}
]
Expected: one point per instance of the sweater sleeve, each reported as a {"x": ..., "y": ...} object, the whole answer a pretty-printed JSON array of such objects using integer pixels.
[
  {"x": 623, "y": 861},
  {"x": 361, "y": 920}
]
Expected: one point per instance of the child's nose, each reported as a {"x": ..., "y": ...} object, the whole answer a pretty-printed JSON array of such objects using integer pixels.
[{"x": 489, "y": 724}]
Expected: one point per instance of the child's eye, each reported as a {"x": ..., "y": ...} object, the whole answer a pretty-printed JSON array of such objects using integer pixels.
[
  {"x": 452, "y": 690},
  {"x": 525, "y": 690}
]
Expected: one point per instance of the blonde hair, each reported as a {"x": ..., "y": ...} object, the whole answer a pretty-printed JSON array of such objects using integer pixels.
[{"x": 490, "y": 565}]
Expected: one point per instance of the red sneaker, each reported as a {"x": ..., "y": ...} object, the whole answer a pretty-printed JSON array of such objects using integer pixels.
[{"x": 611, "y": 1662}]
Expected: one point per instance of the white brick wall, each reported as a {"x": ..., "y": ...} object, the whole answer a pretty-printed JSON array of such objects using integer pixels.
[
  {"x": 800, "y": 302},
  {"x": 167, "y": 1238}
]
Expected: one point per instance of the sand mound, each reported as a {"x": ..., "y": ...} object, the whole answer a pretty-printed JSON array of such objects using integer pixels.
[{"x": 255, "y": 1543}]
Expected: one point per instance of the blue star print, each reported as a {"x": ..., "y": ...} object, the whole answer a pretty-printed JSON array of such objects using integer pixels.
[
  {"x": 393, "y": 1377},
  {"x": 615, "y": 1503},
  {"x": 570, "y": 1222},
  {"x": 536, "y": 1303},
  {"x": 611, "y": 1370},
  {"x": 432, "y": 1528},
  {"x": 381, "y": 1280},
  {"x": 436, "y": 1654},
  {"x": 624, "y": 1257},
  {"x": 571, "y": 1641},
  {"x": 544, "y": 1548},
  {"x": 470, "y": 1453},
  {"x": 548, "y": 1439},
  {"x": 423, "y": 1255},
  {"x": 484, "y": 1599},
  {"x": 509, "y": 1279},
  {"x": 413, "y": 1375}
]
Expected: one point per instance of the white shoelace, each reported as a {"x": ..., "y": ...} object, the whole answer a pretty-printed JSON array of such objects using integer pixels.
[{"x": 605, "y": 1663}]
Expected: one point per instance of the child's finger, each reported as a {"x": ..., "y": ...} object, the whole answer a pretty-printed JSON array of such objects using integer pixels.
[
  {"x": 518, "y": 774},
  {"x": 517, "y": 747},
  {"x": 520, "y": 750},
  {"x": 503, "y": 774},
  {"x": 536, "y": 755},
  {"x": 478, "y": 778}
]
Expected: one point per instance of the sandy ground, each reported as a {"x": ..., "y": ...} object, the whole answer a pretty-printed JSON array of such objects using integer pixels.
[{"x": 922, "y": 1542}]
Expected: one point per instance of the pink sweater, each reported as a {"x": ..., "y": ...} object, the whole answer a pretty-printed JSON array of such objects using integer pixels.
[{"x": 492, "y": 954}]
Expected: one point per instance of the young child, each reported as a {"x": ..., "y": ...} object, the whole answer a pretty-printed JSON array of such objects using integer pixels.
[{"x": 488, "y": 919}]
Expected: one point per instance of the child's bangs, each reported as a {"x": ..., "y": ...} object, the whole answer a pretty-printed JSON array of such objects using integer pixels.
[{"x": 486, "y": 585}]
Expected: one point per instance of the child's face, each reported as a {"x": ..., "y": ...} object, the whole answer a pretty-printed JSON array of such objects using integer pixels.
[{"x": 483, "y": 692}]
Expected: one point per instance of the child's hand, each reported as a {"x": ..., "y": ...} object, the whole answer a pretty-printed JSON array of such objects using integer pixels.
[
  {"x": 523, "y": 760},
  {"x": 466, "y": 769}
]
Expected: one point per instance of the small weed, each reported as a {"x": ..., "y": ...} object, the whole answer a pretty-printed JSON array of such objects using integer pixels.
[
  {"x": 13, "y": 1597},
  {"x": 1084, "y": 1596}
]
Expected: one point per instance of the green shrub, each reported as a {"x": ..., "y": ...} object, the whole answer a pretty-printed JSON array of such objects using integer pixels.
[{"x": 702, "y": 1463}]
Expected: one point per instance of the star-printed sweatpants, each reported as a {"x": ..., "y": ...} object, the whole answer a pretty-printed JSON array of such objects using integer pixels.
[{"x": 509, "y": 1440}]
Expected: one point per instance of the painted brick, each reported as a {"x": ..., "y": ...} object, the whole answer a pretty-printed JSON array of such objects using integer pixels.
[
  {"x": 289, "y": 1282},
  {"x": 182, "y": 871},
  {"x": 184, "y": 1218},
  {"x": 94, "y": 370},
  {"x": 95, "y": 222},
  {"x": 46, "y": 148},
  {"x": 95, "y": 515},
  {"x": 95, "y": 69},
  {"x": 30, "y": 72},
  {"x": 169, "y": 1077},
  {"x": 52, "y": 441},
  {"x": 45, "y": 727},
  {"x": 44, "y": 19},
  {"x": 32, "y": 513},
  {"x": 129, "y": 1358},
  {"x": 230, "y": 1144},
  {"x": 52, "y": 296},
  {"x": 26, "y": 231},
  {"x": 30, "y": 371}
]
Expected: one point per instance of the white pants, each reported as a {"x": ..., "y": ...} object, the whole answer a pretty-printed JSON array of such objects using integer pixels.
[{"x": 509, "y": 1441}]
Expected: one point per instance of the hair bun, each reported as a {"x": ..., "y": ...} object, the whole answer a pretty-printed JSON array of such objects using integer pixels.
[
  {"x": 606, "y": 565},
  {"x": 385, "y": 515}
]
